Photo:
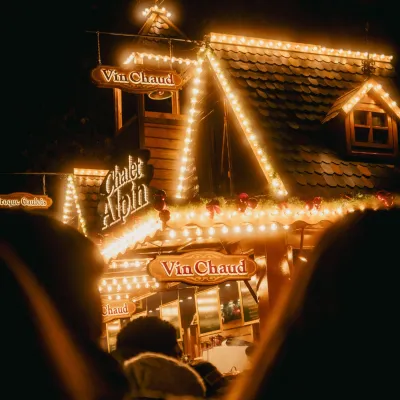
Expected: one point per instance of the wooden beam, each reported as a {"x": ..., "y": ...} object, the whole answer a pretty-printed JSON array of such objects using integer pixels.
[{"x": 117, "y": 109}]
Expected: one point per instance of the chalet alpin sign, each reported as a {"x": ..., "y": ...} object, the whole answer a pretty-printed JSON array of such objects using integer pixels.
[
  {"x": 202, "y": 268},
  {"x": 26, "y": 201},
  {"x": 136, "y": 79},
  {"x": 125, "y": 190}
]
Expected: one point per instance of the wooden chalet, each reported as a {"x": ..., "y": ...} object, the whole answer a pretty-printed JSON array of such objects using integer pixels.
[{"x": 276, "y": 140}]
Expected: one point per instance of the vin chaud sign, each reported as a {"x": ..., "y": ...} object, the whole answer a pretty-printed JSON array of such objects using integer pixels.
[
  {"x": 136, "y": 79},
  {"x": 202, "y": 268}
]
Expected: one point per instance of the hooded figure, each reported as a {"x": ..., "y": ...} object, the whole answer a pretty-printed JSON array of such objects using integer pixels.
[{"x": 155, "y": 376}]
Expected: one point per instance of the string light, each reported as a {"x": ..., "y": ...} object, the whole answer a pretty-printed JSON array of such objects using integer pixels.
[
  {"x": 266, "y": 219},
  {"x": 131, "y": 263},
  {"x": 292, "y": 46},
  {"x": 137, "y": 234},
  {"x": 125, "y": 284},
  {"x": 156, "y": 9},
  {"x": 71, "y": 198},
  {"x": 371, "y": 84},
  {"x": 90, "y": 172},
  {"x": 272, "y": 176},
  {"x": 185, "y": 156},
  {"x": 158, "y": 57}
]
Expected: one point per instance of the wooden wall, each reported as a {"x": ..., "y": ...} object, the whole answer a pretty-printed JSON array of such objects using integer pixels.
[{"x": 163, "y": 135}]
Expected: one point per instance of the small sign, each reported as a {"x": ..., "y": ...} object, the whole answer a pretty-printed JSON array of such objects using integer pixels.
[
  {"x": 202, "y": 268},
  {"x": 126, "y": 189},
  {"x": 117, "y": 309},
  {"x": 25, "y": 201},
  {"x": 136, "y": 79}
]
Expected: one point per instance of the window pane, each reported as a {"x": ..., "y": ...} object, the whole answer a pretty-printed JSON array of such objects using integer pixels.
[
  {"x": 360, "y": 117},
  {"x": 381, "y": 136},
  {"x": 208, "y": 311},
  {"x": 379, "y": 119},
  {"x": 361, "y": 134},
  {"x": 250, "y": 307},
  {"x": 231, "y": 310}
]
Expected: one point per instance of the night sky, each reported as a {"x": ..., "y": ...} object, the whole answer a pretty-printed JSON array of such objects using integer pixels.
[{"x": 54, "y": 55}]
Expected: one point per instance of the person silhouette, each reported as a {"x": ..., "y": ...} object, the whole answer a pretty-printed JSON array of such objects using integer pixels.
[
  {"x": 335, "y": 332},
  {"x": 51, "y": 312}
]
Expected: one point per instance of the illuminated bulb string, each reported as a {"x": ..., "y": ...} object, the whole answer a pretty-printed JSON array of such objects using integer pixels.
[
  {"x": 159, "y": 57},
  {"x": 190, "y": 128},
  {"x": 273, "y": 178},
  {"x": 297, "y": 47},
  {"x": 71, "y": 198},
  {"x": 372, "y": 85},
  {"x": 263, "y": 219},
  {"x": 156, "y": 9},
  {"x": 137, "y": 234}
]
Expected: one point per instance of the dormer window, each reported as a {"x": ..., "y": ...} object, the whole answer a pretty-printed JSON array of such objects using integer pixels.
[{"x": 370, "y": 130}]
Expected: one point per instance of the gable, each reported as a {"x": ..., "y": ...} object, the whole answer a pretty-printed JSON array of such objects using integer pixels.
[{"x": 286, "y": 90}]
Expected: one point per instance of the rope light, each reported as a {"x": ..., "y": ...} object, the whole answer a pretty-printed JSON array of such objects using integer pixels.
[
  {"x": 70, "y": 198},
  {"x": 156, "y": 9},
  {"x": 292, "y": 46},
  {"x": 159, "y": 57},
  {"x": 195, "y": 221},
  {"x": 371, "y": 84},
  {"x": 190, "y": 128},
  {"x": 272, "y": 176}
]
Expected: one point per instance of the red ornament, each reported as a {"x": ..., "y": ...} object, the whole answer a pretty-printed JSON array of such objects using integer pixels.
[
  {"x": 385, "y": 197},
  {"x": 314, "y": 204},
  {"x": 283, "y": 206},
  {"x": 243, "y": 197},
  {"x": 213, "y": 207},
  {"x": 164, "y": 216},
  {"x": 317, "y": 203},
  {"x": 159, "y": 203},
  {"x": 160, "y": 194},
  {"x": 242, "y": 203},
  {"x": 252, "y": 203}
]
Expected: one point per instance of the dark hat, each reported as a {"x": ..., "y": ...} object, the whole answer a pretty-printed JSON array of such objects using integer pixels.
[{"x": 212, "y": 377}]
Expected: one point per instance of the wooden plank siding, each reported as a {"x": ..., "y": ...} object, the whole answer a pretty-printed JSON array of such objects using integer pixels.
[{"x": 165, "y": 142}]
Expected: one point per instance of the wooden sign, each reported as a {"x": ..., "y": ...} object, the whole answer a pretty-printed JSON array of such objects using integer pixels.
[
  {"x": 117, "y": 309},
  {"x": 125, "y": 189},
  {"x": 136, "y": 79},
  {"x": 202, "y": 268},
  {"x": 25, "y": 201}
]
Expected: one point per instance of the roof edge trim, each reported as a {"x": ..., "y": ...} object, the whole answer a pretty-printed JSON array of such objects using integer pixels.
[{"x": 221, "y": 38}]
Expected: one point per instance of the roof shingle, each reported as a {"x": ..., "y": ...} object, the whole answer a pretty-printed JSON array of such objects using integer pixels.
[{"x": 289, "y": 94}]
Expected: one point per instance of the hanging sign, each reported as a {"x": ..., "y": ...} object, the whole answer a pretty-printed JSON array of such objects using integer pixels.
[
  {"x": 25, "y": 200},
  {"x": 117, "y": 309},
  {"x": 136, "y": 79},
  {"x": 202, "y": 268},
  {"x": 125, "y": 189}
]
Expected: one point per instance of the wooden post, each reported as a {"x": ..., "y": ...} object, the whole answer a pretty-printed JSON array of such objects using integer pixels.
[
  {"x": 260, "y": 257},
  {"x": 117, "y": 109},
  {"x": 175, "y": 103},
  {"x": 273, "y": 273}
]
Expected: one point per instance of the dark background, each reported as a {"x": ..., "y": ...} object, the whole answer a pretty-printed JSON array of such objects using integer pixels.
[{"x": 54, "y": 118}]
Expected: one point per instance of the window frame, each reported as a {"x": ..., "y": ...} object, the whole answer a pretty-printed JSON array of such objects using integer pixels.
[{"x": 356, "y": 147}]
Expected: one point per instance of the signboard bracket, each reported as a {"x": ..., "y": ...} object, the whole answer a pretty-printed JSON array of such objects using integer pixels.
[{"x": 250, "y": 289}]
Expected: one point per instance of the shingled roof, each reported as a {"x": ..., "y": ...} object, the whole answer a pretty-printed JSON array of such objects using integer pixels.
[{"x": 289, "y": 91}]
